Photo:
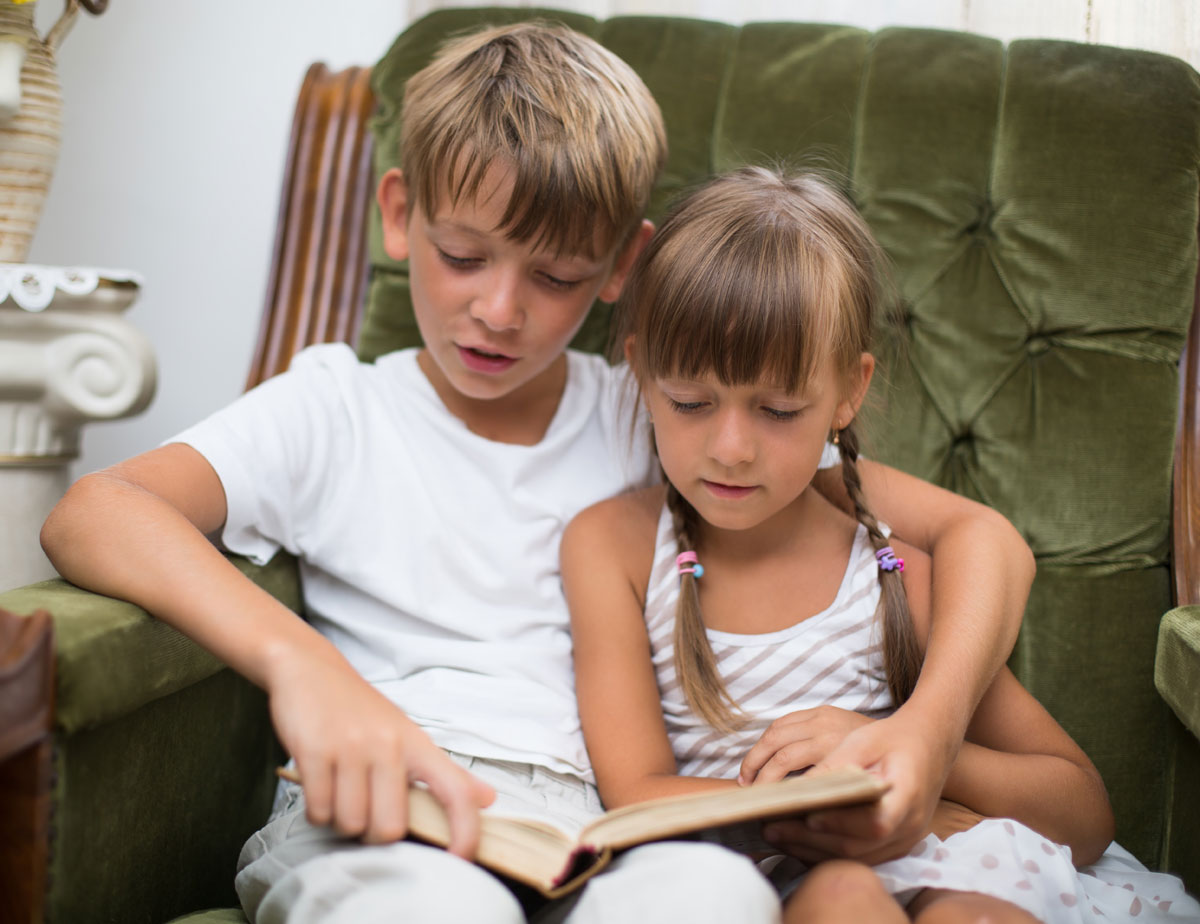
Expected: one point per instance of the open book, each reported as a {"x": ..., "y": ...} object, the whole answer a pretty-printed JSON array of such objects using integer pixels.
[{"x": 556, "y": 862}]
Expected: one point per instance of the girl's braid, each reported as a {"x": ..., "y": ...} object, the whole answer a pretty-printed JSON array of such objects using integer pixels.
[
  {"x": 901, "y": 652},
  {"x": 695, "y": 665}
]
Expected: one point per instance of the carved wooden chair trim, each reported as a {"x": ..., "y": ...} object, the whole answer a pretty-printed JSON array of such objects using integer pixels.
[
  {"x": 1185, "y": 513},
  {"x": 318, "y": 276}
]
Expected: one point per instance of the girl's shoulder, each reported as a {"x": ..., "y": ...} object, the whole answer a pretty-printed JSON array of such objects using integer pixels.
[{"x": 617, "y": 534}]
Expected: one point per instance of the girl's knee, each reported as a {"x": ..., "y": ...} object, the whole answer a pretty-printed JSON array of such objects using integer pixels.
[
  {"x": 840, "y": 879},
  {"x": 946, "y": 907},
  {"x": 842, "y": 890}
]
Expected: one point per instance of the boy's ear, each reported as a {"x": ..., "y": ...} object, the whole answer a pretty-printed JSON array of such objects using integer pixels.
[
  {"x": 392, "y": 195},
  {"x": 847, "y": 410},
  {"x": 624, "y": 263}
]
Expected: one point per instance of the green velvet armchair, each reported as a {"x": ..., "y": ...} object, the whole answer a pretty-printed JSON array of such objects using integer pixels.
[{"x": 1039, "y": 202}]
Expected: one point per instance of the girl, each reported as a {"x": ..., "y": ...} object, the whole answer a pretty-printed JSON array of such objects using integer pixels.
[{"x": 732, "y": 625}]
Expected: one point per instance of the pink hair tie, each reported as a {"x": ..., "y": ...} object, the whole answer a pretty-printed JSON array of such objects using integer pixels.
[
  {"x": 887, "y": 559},
  {"x": 689, "y": 558}
]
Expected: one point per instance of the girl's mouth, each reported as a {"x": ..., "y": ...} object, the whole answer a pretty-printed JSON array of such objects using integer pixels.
[
  {"x": 483, "y": 361},
  {"x": 727, "y": 491}
]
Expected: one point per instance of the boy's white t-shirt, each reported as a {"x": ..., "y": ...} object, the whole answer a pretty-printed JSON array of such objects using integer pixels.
[{"x": 429, "y": 555}]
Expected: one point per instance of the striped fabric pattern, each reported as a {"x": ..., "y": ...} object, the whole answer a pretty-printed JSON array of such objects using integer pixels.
[{"x": 833, "y": 657}]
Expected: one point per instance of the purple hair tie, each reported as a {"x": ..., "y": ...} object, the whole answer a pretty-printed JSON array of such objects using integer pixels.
[
  {"x": 689, "y": 558},
  {"x": 887, "y": 559}
]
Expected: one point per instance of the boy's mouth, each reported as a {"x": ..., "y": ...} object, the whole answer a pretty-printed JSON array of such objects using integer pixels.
[{"x": 479, "y": 360}]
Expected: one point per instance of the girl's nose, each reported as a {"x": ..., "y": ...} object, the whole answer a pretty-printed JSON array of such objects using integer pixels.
[{"x": 731, "y": 442}]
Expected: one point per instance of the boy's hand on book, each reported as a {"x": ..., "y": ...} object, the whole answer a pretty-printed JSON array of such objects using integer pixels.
[
  {"x": 797, "y": 741},
  {"x": 356, "y": 754},
  {"x": 898, "y": 751}
]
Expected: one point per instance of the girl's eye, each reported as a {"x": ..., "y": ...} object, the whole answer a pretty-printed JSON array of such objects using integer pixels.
[
  {"x": 776, "y": 414},
  {"x": 457, "y": 262},
  {"x": 685, "y": 407}
]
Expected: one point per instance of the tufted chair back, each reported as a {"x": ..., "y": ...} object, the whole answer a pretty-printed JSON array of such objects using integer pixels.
[{"x": 1039, "y": 203}]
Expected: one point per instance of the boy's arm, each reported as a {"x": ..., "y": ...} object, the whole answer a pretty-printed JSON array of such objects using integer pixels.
[
  {"x": 982, "y": 572},
  {"x": 137, "y": 531},
  {"x": 605, "y": 553},
  {"x": 1017, "y": 762}
]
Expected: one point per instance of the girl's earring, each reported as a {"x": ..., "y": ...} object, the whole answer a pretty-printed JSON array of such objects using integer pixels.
[{"x": 837, "y": 436}]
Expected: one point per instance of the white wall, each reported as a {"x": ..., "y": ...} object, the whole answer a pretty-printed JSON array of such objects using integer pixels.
[{"x": 177, "y": 117}]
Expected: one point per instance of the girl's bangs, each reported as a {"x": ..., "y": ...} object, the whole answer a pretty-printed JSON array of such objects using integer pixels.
[{"x": 747, "y": 310}]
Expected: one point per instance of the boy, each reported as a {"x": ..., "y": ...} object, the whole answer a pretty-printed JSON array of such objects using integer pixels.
[{"x": 426, "y": 495}]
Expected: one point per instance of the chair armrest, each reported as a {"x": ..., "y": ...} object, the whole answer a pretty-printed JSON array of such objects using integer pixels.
[
  {"x": 113, "y": 658},
  {"x": 1177, "y": 664},
  {"x": 161, "y": 762}
]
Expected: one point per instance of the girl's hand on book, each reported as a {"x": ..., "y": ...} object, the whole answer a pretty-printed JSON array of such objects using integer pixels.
[
  {"x": 797, "y": 741},
  {"x": 357, "y": 753}
]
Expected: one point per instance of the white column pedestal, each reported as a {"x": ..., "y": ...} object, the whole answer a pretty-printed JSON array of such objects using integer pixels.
[{"x": 66, "y": 358}]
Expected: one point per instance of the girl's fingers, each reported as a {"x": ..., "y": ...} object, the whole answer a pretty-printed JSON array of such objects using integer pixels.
[
  {"x": 783, "y": 731},
  {"x": 799, "y": 755}
]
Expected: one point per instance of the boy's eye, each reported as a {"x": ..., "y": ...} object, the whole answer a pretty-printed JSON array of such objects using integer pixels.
[{"x": 457, "y": 262}]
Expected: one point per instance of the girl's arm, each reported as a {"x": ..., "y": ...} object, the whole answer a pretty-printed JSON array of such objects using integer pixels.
[
  {"x": 137, "y": 531},
  {"x": 607, "y": 551},
  {"x": 1019, "y": 763},
  {"x": 982, "y": 572}
]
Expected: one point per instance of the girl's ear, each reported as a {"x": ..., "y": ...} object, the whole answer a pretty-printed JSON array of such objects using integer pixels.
[
  {"x": 392, "y": 195},
  {"x": 624, "y": 262},
  {"x": 860, "y": 381}
]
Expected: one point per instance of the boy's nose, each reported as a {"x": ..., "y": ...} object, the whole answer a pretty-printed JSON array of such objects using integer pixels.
[
  {"x": 498, "y": 307},
  {"x": 731, "y": 442}
]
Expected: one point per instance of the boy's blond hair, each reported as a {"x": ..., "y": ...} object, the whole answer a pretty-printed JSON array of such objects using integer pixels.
[{"x": 582, "y": 135}]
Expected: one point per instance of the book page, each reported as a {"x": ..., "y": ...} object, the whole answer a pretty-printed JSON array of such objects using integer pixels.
[
  {"x": 531, "y": 850},
  {"x": 677, "y": 815}
]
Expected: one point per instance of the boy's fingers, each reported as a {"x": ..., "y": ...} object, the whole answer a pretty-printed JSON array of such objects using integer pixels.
[
  {"x": 318, "y": 785},
  {"x": 350, "y": 799},
  {"x": 388, "y": 820},
  {"x": 485, "y": 794},
  {"x": 863, "y": 822},
  {"x": 455, "y": 791}
]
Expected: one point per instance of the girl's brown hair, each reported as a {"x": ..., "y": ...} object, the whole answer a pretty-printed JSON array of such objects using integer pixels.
[{"x": 760, "y": 274}]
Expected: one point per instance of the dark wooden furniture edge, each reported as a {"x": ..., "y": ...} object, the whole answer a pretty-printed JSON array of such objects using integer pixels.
[
  {"x": 317, "y": 286},
  {"x": 1185, "y": 512},
  {"x": 26, "y": 712}
]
